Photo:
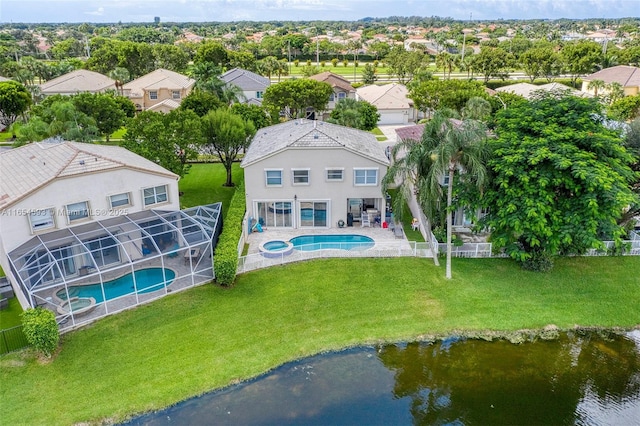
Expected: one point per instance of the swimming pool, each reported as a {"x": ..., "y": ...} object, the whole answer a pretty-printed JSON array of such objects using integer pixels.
[
  {"x": 340, "y": 241},
  {"x": 147, "y": 280}
]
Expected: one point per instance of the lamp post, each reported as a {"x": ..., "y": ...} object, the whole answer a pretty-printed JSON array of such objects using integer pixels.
[{"x": 317, "y": 48}]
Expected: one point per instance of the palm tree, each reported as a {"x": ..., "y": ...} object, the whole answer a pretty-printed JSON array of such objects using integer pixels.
[
  {"x": 596, "y": 85},
  {"x": 446, "y": 146},
  {"x": 121, "y": 76},
  {"x": 461, "y": 149}
]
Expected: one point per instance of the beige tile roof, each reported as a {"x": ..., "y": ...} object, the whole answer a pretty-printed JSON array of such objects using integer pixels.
[
  {"x": 387, "y": 96},
  {"x": 168, "y": 103},
  {"x": 158, "y": 79},
  {"x": 526, "y": 89},
  {"x": 78, "y": 81},
  {"x": 334, "y": 80},
  {"x": 303, "y": 133},
  {"x": 626, "y": 75},
  {"x": 26, "y": 169}
]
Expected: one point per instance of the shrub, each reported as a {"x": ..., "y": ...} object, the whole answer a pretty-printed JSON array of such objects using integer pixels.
[
  {"x": 334, "y": 62},
  {"x": 41, "y": 330},
  {"x": 539, "y": 261},
  {"x": 225, "y": 260}
]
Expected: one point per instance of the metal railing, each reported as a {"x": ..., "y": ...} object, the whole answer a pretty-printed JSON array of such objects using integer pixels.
[
  {"x": 12, "y": 339},
  {"x": 467, "y": 250},
  {"x": 326, "y": 250},
  {"x": 627, "y": 248}
]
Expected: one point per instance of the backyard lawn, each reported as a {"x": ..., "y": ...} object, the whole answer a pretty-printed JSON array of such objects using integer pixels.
[
  {"x": 203, "y": 185},
  {"x": 207, "y": 337}
]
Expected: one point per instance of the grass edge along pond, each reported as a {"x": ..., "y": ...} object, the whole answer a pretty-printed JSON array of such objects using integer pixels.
[{"x": 209, "y": 337}]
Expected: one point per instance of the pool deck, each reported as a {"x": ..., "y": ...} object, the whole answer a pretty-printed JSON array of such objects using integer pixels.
[{"x": 378, "y": 234}]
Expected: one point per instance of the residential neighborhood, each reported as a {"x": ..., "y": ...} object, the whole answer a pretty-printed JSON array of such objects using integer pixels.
[{"x": 218, "y": 200}]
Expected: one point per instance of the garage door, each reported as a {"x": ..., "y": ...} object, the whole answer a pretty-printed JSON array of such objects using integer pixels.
[{"x": 392, "y": 117}]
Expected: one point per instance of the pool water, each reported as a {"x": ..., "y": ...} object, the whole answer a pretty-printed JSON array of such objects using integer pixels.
[
  {"x": 323, "y": 242},
  {"x": 147, "y": 280},
  {"x": 275, "y": 245}
]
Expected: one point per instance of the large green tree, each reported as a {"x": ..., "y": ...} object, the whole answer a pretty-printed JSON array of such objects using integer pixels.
[
  {"x": 108, "y": 113},
  {"x": 560, "y": 179},
  {"x": 403, "y": 64},
  {"x": 226, "y": 134},
  {"x": 580, "y": 58},
  {"x": 430, "y": 95},
  {"x": 59, "y": 118},
  {"x": 294, "y": 97},
  {"x": 169, "y": 140},
  {"x": 357, "y": 114},
  {"x": 15, "y": 99},
  {"x": 492, "y": 62}
]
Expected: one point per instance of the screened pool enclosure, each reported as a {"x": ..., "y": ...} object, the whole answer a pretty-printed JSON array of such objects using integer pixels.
[{"x": 99, "y": 268}]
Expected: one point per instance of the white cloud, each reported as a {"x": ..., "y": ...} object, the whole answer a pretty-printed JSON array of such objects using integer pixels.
[{"x": 98, "y": 12}]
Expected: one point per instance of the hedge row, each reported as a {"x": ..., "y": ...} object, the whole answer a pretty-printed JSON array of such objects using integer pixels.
[
  {"x": 225, "y": 260},
  {"x": 494, "y": 84}
]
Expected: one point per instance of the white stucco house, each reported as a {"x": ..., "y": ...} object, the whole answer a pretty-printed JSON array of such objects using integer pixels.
[
  {"x": 76, "y": 214},
  {"x": 312, "y": 174},
  {"x": 392, "y": 101},
  {"x": 342, "y": 89}
]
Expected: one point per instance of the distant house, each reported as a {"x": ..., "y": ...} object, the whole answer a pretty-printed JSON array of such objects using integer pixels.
[
  {"x": 156, "y": 87},
  {"x": 312, "y": 174},
  {"x": 392, "y": 101},
  {"x": 342, "y": 89},
  {"x": 252, "y": 85},
  {"x": 78, "y": 81},
  {"x": 526, "y": 90},
  {"x": 627, "y": 76}
]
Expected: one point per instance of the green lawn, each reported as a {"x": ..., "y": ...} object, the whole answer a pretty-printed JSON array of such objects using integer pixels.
[
  {"x": 203, "y": 185},
  {"x": 208, "y": 337}
]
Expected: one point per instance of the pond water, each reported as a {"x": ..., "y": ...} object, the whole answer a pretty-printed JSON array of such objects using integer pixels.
[{"x": 579, "y": 378}]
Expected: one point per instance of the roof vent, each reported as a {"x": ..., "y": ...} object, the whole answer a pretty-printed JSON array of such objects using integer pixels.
[
  {"x": 315, "y": 136},
  {"x": 82, "y": 162}
]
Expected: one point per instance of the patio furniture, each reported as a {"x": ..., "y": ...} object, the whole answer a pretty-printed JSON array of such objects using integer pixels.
[
  {"x": 192, "y": 254},
  {"x": 364, "y": 220}
]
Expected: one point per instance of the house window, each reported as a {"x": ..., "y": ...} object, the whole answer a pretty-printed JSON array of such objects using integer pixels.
[
  {"x": 119, "y": 200},
  {"x": 335, "y": 175},
  {"x": 259, "y": 95},
  {"x": 153, "y": 95},
  {"x": 445, "y": 180},
  {"x": 41, "y": 220},
  {"x": 332, "y": 97},
  {"x": 365, "y": 176},
  {"x": 78, "y": 211},
  {"x": 174, "y": 94},
  {"x": 300, "y": 176},
  {"x": 273, "y": 177},
  {"x": 155, "y": 195},
  {"x": 341, "y": 95}
]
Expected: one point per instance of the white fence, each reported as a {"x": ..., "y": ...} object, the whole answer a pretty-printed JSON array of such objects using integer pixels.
[
  {"x": 467, "y": 250},
  {"x": 629, "y": 248},
  {"x": 380, "y": 249}
]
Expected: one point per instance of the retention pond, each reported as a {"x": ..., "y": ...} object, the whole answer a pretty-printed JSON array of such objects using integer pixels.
[{"x": 586, "y": 378}]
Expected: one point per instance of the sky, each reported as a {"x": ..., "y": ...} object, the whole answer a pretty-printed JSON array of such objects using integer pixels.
[{"x": 101, "y": 11}]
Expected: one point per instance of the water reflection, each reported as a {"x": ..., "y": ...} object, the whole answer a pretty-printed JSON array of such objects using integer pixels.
[{"x": 577, "y": 379}]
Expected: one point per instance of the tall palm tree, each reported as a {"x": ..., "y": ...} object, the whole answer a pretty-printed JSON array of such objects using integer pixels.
[
  {"x": 447, "y": 146},
  {"x": 462, "y": 150},
  {"x": 121, "y": 76}
]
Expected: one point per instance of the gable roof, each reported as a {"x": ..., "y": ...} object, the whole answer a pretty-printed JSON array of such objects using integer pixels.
[
  {"x": 78, "y": 81},
  {"x": 526, "y": 89},
  {"x": 334, "y": 80},
  {"x": 246, "y": 80},
  {"x": 626, "y": 75},
  {"x": 303, "y": 133},
  {"x": 167, "y": 103},
  {"x": 158, "y": 79},
  {"x": 387, "y": 96},
  {"x": 26, "y": 169}
]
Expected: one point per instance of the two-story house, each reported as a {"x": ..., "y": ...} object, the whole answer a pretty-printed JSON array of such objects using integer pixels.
[
  {"x": 312, "y": 174},
  {"x": 161, "y": 90},
  {"x": 76, "y": 215},
  {"x": 252, "y": 85},
  {"x": 342, "y": 89}
]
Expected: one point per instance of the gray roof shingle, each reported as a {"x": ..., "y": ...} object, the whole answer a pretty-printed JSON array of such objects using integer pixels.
[{"x": 309, "y": 133}]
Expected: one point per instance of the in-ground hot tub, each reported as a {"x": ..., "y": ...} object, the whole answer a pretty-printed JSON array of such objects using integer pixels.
[
  {"x": 276, "y": 248},
  {"x": 77, "y": 306}
]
